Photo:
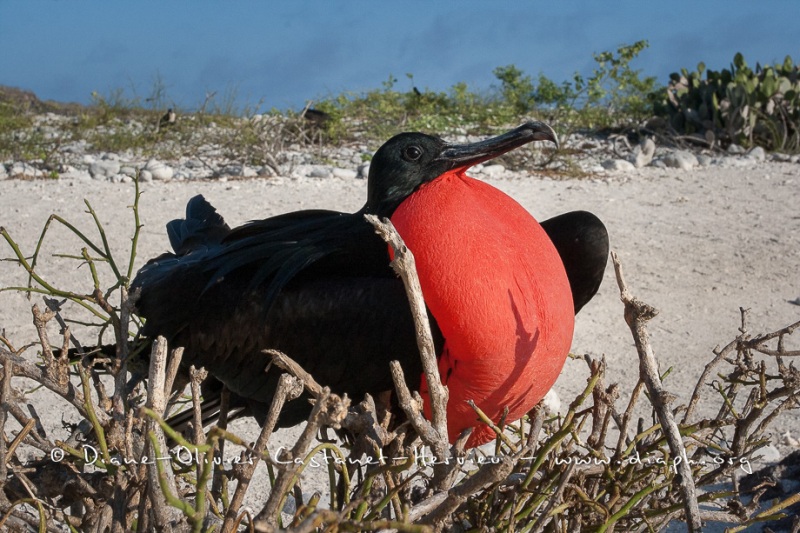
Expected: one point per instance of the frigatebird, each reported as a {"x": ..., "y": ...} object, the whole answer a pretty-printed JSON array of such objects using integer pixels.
[{"x": 500, "y": 288}]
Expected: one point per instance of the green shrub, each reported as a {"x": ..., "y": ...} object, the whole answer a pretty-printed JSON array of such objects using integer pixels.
[{"x": 741, "y": 105}]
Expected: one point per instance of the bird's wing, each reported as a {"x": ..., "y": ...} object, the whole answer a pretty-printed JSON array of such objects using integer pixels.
[
  {"x": 582, "y": 242},
  {"x": 214, "y": 267},
  {"x": 343, "y": 331}
]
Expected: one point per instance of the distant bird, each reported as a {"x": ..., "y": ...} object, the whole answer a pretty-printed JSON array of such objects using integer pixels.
[
  {"x": 501, "y": 289},
  {"x": 168, "y": 119},
  {"x": 316, "y": 117}
]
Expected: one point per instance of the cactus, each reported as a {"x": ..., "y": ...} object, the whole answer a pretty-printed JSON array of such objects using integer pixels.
[{"x": 741, "y": 105}]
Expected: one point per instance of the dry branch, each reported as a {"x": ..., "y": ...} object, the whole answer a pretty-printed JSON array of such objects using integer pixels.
[
  {"x": 156, "y": 401},
  {"x": 404, "y": 265},
  {"x": 289, "y": 388},
  {"x": 637, "y": 314}
]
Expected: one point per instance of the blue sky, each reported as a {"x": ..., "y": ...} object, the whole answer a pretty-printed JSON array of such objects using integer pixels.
[{"x": 284, "y": 53}]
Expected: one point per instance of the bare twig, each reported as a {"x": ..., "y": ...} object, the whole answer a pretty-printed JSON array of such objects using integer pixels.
[
  {"x": 404, "y": 265},
  {"x": 284, "y": 362},
  {"x": 637, "y": 314},
  {"x": 487, "y": 475},
  {"x": 288, "y": 476},
  {"x": 288, "y": 388},
  {"x": 156, "y": 401}
]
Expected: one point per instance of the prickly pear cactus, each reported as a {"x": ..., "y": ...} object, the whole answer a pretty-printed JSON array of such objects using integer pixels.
[{"x": 747, "y": 106}]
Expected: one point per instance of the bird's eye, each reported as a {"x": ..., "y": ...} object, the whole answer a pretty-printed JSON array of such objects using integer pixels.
[{"x": 412, "y": 153}]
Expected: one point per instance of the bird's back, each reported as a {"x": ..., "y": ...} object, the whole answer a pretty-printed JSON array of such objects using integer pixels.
[{"x": 313, "y": 284}]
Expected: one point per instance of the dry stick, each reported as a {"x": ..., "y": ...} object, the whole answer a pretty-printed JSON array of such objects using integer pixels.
[
  {"x": 5, "y": 400},
  {"x": 121, "y": 364},
  {"x": 719, "y": 355},
  {"x": 271, "y": 509},
  {"x": 58, "y": 369},
  {"x": 66, "y": 390},
  {"x": 405, "y": 267},
  {"x": 156, "y": 400},
  {"x": 284, "y": 362},
  {"x": 541, "y": 521},
  {"x": 637, "y": 314},
  {"x": 487, "y": 475},
  {"x": 173, "y": 365},
  {"x": 288, "y": 388}
]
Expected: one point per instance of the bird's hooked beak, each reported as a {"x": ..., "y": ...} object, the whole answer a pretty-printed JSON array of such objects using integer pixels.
[{"x": 463, "y": 156}]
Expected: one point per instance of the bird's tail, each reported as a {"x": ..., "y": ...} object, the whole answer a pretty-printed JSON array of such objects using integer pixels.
[{"x": 202, "y": 228}]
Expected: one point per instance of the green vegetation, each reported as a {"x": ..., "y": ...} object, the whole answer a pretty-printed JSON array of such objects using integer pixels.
[{"x": 741, "y": 105}]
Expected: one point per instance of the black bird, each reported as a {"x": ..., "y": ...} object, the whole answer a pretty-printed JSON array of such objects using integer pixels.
[
  {"x": 168, "y": 119},
  {"x": 317, "y": 284}
]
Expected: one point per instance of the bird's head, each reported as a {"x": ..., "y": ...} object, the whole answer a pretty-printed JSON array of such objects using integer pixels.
[{"x": 409, "y": 160}]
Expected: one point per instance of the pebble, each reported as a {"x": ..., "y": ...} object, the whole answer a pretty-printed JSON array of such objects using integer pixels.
[
  {"x": 3, "y": 172},
  {"x": 704, "y": 160},
  {"x": 551, "y": 402},
  {"x": 680, "y": 159},
  {"x": 757, "y": 153},
  {"x": 642, "y": 154},
  {"x": 238, "y": 170},
  {"x": 104, "y": 168},
  {"x": 319, "y": 172},
  {"x": 493, "y": 170},
  {"x": 769, "y": 454},
  {"x": 20, "y": 170},
  {"x": 788, "y": 440},
  {"x": 363, "y": 171},
  {"x": 128, "y": 170},
  {"x": 72, "y": 173},
  {"x": 618, "y": 165},
  {"x": 158, "y": 170},
  {"x": 344, "y": 173},
  {"x": 735, "y": 149}
]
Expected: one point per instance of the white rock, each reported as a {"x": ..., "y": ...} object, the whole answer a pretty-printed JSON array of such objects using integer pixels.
[
  {"x": 71, "y": 173},
  {"x": 551, "y": 402},
  {"x": 145, "y": 176},
  {"x": 20, "y": 169},
  {"x": 104, "y": 168},
  {"x": 704, "y": 160},
  {"x": 680, "y": 159},
  {"x": 735, "y": 149},
  {"x": 3, "y": 172},
  {"x": 618, "y": 165},
  {"x": 344, "y": 173},
  {"x": 159, "y": 170},
  {"x": 319, "y": 172},
  {"x": 769, "y": 454},
  {"x": 493, "y": 170},
  {"x": 757, "y": 153},
  {"x": 128, "y": 170},
  {"x": 363, "y": 171},
  {"x": 787, "y": 438},
  {"x": 642, "y": 155},
  {"x": 232, "y": 170}
]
